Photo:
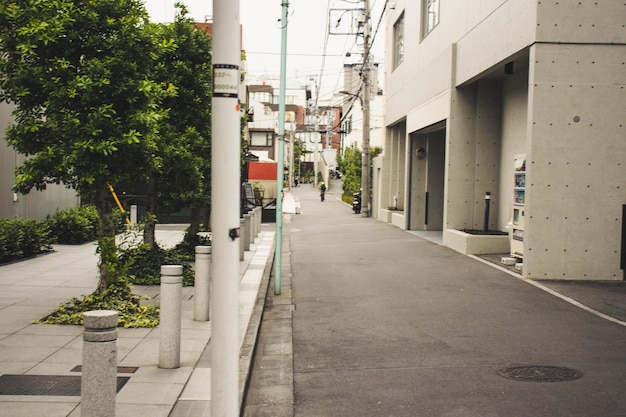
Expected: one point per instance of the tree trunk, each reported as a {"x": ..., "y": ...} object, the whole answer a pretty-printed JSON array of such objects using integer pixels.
[
  {"x": 194, "y": 227},
  {"x": 149, "y": 231},
  {"x": 106, "y": 240},
  {"x": 207, "y": 217}
]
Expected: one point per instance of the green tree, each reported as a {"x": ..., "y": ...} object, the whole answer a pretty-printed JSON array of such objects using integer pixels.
[
  {"x": 181, "y": 175},
  {"x": 86, "y": 110},
  {"x": 350, "y": 165}
]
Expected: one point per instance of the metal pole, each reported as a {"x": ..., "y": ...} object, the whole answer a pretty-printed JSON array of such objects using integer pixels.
[
  {"x": 225, "y": 160},
  {"x": 365, "y": 166},
  {"x": 487, "y": 207},
  {"x": 291, "y": 161},
  {"x": 281, "y": 152}
]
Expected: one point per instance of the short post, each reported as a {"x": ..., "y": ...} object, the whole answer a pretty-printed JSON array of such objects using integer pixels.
[
  {"x": 243, "y": 231},
  {"x": 249, "y": 225},
  {"x": 252, "y": 229},
  {"x": 98, "y": 385},
  {"x": 259, "y": 220},
  {"x": 487, "y": 207},
  {"x": 133, "y": 214},
  {"x": 202, "y": 284},
  {"x": 170, "y": 316}
]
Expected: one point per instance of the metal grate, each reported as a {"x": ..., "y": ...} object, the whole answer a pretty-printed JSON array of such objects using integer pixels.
[
  {"x": 120, "y": 369},
  {"x": 535, "y": 373},
  {"x": 58, "y": 385}
]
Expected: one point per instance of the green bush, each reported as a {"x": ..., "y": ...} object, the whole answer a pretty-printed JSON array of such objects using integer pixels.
[
  {"x": 132, "y": 312},
  {"x": 75, "y": 225},
  {"x": 79, "y": 225},
  {"x": 23, "y": 238},
  {"x": 143, "y": 265}
]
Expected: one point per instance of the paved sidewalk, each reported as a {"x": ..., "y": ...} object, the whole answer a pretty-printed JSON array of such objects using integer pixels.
[{"x": 31, "y": 289}]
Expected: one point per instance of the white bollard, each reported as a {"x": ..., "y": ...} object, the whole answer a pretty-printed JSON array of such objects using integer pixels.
[
  {"x": 202, "y": 284},
  {"x": 133, "y": 214},
  {"x": 242, "y": 232},
  {"x": 98, "y": 385},
  {"x": 249, "y": 225},
  {"x": 170, "y": 316},
  {"x": 259, "y": 220},
  {"x": 252, "y": 228}
]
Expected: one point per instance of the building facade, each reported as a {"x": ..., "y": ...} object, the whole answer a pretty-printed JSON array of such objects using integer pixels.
[
  {"x": 521, "y": 99},
  {"x": 36, "y": 204}
]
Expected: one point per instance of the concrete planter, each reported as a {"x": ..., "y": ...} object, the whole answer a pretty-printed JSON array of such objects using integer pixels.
[
  {"x": 471, "y": 244},
  {"x": 384, "y": 215},
  {"x": 397, "y": 219}
]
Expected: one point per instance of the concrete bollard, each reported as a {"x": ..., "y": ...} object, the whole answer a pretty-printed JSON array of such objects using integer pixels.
[
  {"x": 252, "y": 213},
  {"x": 98, "y": 385},
  {"x": 202, "y": 284},
  {"x": 242, "y": 232},
  {"x": 259, "y": 220},
  {"x": 252, "y": 229},
  {"x": 249, "y": 224},
  {"x": 170, "y": 316},
  {"x": 133, "y": 214}
]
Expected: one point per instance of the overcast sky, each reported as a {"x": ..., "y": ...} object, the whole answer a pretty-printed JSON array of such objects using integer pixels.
[{"x": 307, "y": 39}]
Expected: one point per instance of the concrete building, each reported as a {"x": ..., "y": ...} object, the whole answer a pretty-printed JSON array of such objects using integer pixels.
[
  {"x": 36, "y": 204},
  {"x": 523, "y": 99},
  {"x": 352, "y": 112}
]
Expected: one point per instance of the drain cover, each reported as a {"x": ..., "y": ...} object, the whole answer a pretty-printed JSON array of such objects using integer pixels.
[
  {"x": 536, "y": 373},
  {"x": 59, "y": 385}
]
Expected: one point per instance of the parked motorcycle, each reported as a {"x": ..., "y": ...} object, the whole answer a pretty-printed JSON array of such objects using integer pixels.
[{"x": 356, "y": 203}]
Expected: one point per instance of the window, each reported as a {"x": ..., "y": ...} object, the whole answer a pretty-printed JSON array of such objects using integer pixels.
[
  {"x": 430, "y": 14},
  {"x": 261, "y": 138},
  {"x": 398, "y": 41}
]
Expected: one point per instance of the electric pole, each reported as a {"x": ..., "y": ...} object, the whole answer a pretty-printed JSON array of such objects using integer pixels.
[{"x": 225, "y": 194}]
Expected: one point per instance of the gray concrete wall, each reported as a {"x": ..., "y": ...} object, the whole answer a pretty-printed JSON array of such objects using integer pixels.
[
  {"x": 576, "y": 161},
  {"x": 513, "y": 138},
  {"x": 35, "y": 205}
]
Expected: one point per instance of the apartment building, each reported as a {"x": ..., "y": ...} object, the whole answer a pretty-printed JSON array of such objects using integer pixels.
[{"x": 515, "y": 105}]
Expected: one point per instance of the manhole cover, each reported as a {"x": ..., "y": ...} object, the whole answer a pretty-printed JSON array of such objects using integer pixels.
[
  {"x": 540, "y": 373},
  {"x": 58, "y": 385}
]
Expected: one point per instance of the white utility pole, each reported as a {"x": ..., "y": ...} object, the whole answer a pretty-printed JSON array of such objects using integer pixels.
[{"x": 225, "y": 194}]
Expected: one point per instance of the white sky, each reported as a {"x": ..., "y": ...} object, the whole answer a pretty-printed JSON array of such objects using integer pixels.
[{"x": 306, "y": 38}]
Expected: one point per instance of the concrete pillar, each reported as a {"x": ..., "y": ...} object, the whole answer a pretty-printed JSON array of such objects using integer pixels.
[
  {"x": 99, "y": 380},
  {"x": 170, "y": 316},
  {"x": 202, "y": 284}
]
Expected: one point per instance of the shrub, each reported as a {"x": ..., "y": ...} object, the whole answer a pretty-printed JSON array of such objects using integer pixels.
[
  {"x": 23, "y": 238},
  {"x": 132, "y": 313},
  {"x": 143, "y": 265},
  {"x": 75, "y": 225}
]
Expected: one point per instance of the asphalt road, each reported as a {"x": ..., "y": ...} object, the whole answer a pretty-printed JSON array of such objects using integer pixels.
[{"x": 388, "y": 324}]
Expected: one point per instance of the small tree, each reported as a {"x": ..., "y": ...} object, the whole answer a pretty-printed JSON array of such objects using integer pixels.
[
  {"x": 181, "y": 175},
  {"x": 85, "y": 109},
  {"x": 350, "y": 166}
]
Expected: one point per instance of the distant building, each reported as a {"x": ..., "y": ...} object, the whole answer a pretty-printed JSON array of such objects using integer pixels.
[
  {"x": 36, "y": 204},
  {"x": 519, "y": 98}
]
